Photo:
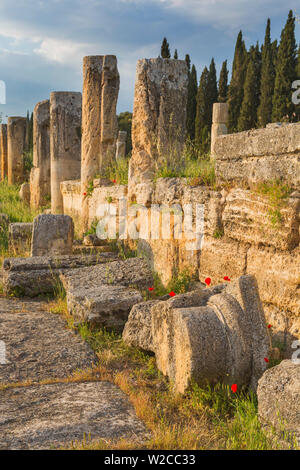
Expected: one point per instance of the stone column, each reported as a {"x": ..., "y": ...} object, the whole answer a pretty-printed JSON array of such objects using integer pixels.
[
  {"x": 159, "y": 117},
  {"x": 65, "y": 146},
  {"x": 121, "y": 145},
  {"x": 3, "y": 150},
  {"x": 16, "y": 134},
  {"x": 101, "y": 83},
  {"x": 219, "y": 125},
  {"x": 40, "y": 173}
]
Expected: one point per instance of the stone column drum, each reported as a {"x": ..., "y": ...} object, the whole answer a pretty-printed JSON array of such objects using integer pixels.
[
  {"x": 65, "y": 146},
  {"x": 159, "y": 116},
  {"x": 121, "y": 145},
  {"x": 219, "y": 125},
  {"x": 40, "y": 173},
  {"x": 101, "y": 83},
  {"x": 16, "y": 134},
  {"x": 3, "y": 150}
]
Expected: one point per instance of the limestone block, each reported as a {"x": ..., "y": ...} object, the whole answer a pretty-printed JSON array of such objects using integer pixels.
[
  {"x": 3, "y": 150},
  {"x": 121, "y": 145},
  {"x": 40, "y": 173},
  {"x": 19, "y": 236},
  {"x": 159, "y": 116},
  {"x": 279, "y": 397},
  {"x": 220, "y": 113},
  {"x": 24, "y": 193},
  {"x": 137, "y": 331},
  {"x": 16, "y": 133},
  {"x": 210, "y": 343},
  {"x": 52, "y": 235},
  {"x": 106, "y": 305},
  {"x": 247, "y": 217},
  {"x": 65, "y": 143}
]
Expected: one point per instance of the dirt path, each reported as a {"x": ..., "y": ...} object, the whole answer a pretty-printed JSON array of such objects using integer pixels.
[{"x": 40, "y": 347}]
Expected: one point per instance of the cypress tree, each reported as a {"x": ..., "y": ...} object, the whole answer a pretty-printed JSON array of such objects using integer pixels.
[
  {"x": 165, "y": 49},
  {"x": 223, "y": 83},
  {"x": 248, "y": 115},
  {"x": 236, "y": 87},
  {"x": 298, "y": 64},
  {"x": 175, "y": 54},
  {"x": 188, "y": 62},
  {"x": 267, "y": 79},
  {"x": 202, "y": 111},
  {"x": 285, "y": 72},
  {"x": 192, "y": 103},
  {"x": 212, "y": 91}
]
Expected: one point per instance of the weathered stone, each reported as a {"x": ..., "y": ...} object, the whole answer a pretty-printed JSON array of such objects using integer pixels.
[
  {"x": 25, "y": 193},
  {"x": 245, "y": 291},
  {"x": 16, "y": 133},
  {"x": 40, "y": 188},
  {"x": 38, "y": 344},
  {"x": 247, "y": 217},
  {"x": 219, "y": 125},
  {"x": 40, "y": 275},
  {"x": 211, "y": 341},
  {"x": 93, "y": 240},
  {"x": 65, "y": 143},
  {"x": 138, "y": 331},
  {"x": 121, "y": 145},
  {"x": 43, "y": 417},
  {"x": 106, "y": 305},
  {"x": 19, "y": 236},
  {"x": 52, "y": 235},
  {"x": 220, "y": 113},
  {"x": 3, "y": 150},
  {"x": 259, "y": 155},
  {"x": 159, "y": 117},
  {"x": 279, "y": 398},
  {"x": 101, "y": 83},
  {"x": 133, "y": 272}
]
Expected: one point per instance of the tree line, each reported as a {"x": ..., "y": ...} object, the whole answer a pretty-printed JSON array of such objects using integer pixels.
[{"x": 260, "y": 89}]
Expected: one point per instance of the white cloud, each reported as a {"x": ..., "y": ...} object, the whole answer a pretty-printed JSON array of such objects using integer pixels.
[{"x": 64, "y": 51}]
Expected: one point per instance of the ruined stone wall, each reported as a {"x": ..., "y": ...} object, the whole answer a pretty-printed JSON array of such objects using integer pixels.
[
  {"x": 259, "y": 155},
  {"x": 240, "y": 237}
]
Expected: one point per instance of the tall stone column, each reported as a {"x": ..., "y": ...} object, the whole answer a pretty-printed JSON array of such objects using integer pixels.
[
  {"x": 3, "y": 150},
  {"x": 121, "y": 145},
  {"x": 101, "y": 83},
  {"x": 219, "y": 125},
  {"x": 159, "y": 117},
  {"x": 16, "y": 134},
  {"x": 65, "y": 145},
  {"x": 40, "y": 188}
]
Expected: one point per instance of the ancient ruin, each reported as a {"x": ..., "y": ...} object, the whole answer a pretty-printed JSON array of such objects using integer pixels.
[
  {"x": 52, "y": 235},
  {"x": 65, "y": 142},
  {"x": 3, "y": 150},
  {"x": 16, "y": 134},
  {"x": 158, "y": 125},
  {"x": 40, "y": 188},
  {"x": 219, "y": 125},
  {"x": 121, "y": 145}
]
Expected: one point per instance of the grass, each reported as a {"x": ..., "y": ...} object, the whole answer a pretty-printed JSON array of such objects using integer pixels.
[
  {"x": 16, "y": 210},
  {"x": 118, "y": 171}
]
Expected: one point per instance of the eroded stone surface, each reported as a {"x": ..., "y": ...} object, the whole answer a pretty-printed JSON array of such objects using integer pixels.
[
  {"x": 279, "y": 398},
  {"x": 38, "y": 344},
  {"x": 52, "y": 416},
  {"x": 19, "y": 236},
  {"x": 3, "y": 150},
  {"x": 52, "y": 235},
  {"x": 16, "y": 133}
]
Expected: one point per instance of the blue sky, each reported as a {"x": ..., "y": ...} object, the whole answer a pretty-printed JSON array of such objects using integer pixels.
[{"x": 42, "y": 42}]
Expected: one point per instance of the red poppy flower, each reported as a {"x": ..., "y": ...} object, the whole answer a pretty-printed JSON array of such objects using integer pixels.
[
  {"x": 114, "y": 181},
  {"x": 266, "y": 360},
  {"x": 226, "y": 278},
  {"x": 208, "y": 281},
  {"x": 172, "y": 294},
  {"x": 269, "y": 326},
  {"x": 234, "y": 388},
  {"x": 84, "y": 194},
  {"x": 150, "y": 289}
]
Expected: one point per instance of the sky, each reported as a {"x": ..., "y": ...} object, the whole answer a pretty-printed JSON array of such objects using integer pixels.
[{"x": 42, "y": 42}]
